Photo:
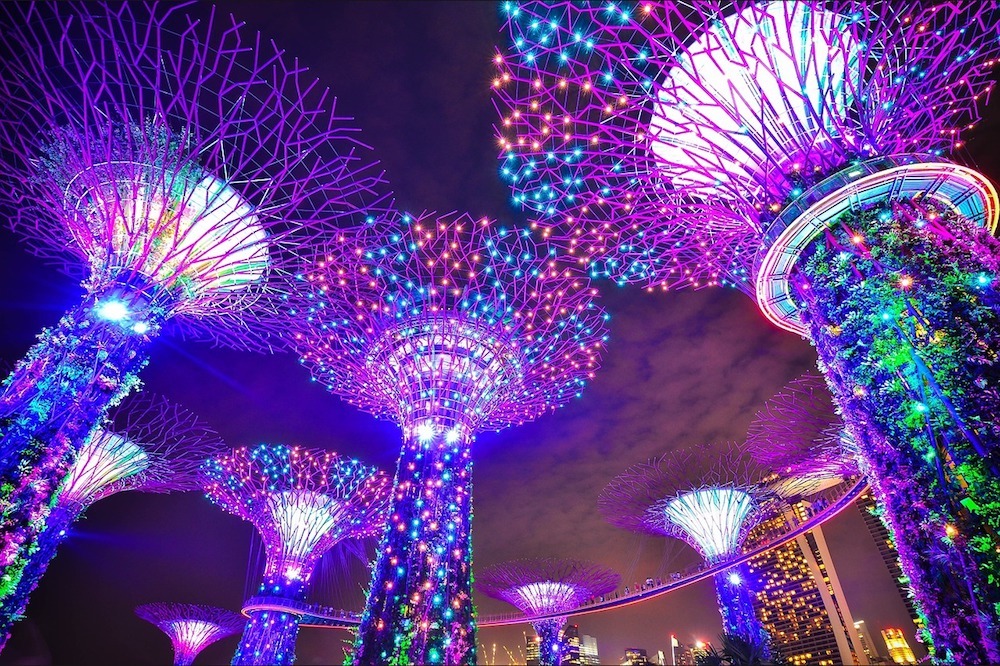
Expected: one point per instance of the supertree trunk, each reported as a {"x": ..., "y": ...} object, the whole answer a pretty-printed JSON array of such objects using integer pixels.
[
  {"x": 427, "y": 547},
  {"x": 270, "y": 635},
  {"x": 902, "y": 306},
  {"x": 550, "y": 645},
  {"x": 14, "y": 604},
  {"x": 732, "y": 589},
  {"x": 48, "y": 407}
]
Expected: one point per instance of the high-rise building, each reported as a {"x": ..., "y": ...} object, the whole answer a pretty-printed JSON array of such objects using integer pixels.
[
  {"x": 799, "y": 599},
  {"x": 635, "y": 657},
  {"x": 531, "y": 650},
  {"x": 571, "y": 641},
  {"x": 870, "y": 650},
  {"x": 887, "y": 549},
  {"x": 899, "y": 649},
  {"x": 588, "y": 651}
]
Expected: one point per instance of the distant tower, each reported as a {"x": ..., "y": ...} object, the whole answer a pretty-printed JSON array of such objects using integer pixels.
[
  {"x": 547, "y": 587},
  {"x": 589, "y": 654},
  {"x": 191, "y": 628},
  {"x": 796, "y": 151},
  {"x": 899, "y": 649},
  {"x": 571, "y": 641},
  {"x": 182, "y": 169},
  {"x": 866, "y": 644},
  {"x": 302, "y": 502},
  {"x": 147, "y": 444},
  {"x": 709, "y": 497},
  {"x": 800, "y": 600},
  {"x": 449, "y": 326}
]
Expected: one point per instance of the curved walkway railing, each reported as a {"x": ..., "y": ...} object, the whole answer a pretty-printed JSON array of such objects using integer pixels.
[{"x": 839, "y": 497}]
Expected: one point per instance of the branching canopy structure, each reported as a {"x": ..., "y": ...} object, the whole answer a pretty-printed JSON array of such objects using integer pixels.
[
  {"x": 302, "y": 502},
  {"x": 450, "y": 321},
  {"x": 799, "y": 435},
  {"x": 710, "y": 497},
  {"x": 184, "y": 168},
  {"x": 447, "y": 325},
  {"x": 662, "y": 139},
  {"x": 191, "y": 627},
  {"x": 147, "y": 444},
  {"x": 796, "y": 150},
  {"x": 543, "y": 586}
]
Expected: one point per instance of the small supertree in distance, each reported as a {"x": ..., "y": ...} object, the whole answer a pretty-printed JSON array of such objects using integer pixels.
[
  {"x": 796, "y": 150},
  {"x": 710, "y": 497},
  {"x": 546, "y": 586},
  {"x": 180, "y": 167},
  {"x": 303, "y": 502},
  {"x": 146, "y": 444},
  {"x": 449, "y": 326},
  {"x": 799, "y": 435},
  {"x": 190, "y": 627}
]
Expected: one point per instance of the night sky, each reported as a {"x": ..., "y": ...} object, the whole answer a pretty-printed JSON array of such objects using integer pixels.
[{"x": 681, "y": 369}]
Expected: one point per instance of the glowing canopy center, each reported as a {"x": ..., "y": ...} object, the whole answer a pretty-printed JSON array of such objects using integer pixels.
[
  {"x": 186, "y": 231},
  {"x": 545, "y": 597},
  {"x": 447, "y": 365},
  {"x": 758, "y": 92},
  {"x": 302, "y": 518},
  {"x": 712, "y": 517},
  {"x": 105, "y": 459},
  {"x": 192, "y": 635}
]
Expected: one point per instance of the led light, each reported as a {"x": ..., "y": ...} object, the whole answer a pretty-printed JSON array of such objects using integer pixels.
[
  {"x": 113, "y": 310},
  {"x": 425, "y": 432},
  {"x": 140, "y": 327},
  {"x": 734, "y": 579}
]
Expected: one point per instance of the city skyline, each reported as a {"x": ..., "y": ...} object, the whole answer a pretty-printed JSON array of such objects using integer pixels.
[{"x": 702, "y": 364}]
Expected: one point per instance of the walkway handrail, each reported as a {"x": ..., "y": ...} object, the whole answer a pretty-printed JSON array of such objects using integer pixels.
[{"x": 314, "y": 615}]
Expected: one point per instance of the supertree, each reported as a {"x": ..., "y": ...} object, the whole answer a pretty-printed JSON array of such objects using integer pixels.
[
  {"x": 146, "y": 444},
  {"x": 448, "y": 326},
  {"x": 710, "y": 497},
  {"x": 799, "y": 435},
  {"x": 180, "y": 167},
  {"x": 303, "y": 502},
  {"x": 190, "y": 627},
  {"x": 795, "y": 151},
  {"x": 545, "y": 586}
]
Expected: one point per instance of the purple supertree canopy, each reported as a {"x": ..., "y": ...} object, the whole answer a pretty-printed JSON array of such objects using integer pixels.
[
  {"x": 662, "y": 139},
  {"x": 148, "y": 444},
  {"x": 191, "y": 627},
  {"x": 301, "y": 501},
  {"x": 548, "y": 585},
  {"x": 709, "y": 497},
  {"x": 181, "y": 166},
  {"x": 450, "y": 322},
  {"x": 800, "y": 436}
]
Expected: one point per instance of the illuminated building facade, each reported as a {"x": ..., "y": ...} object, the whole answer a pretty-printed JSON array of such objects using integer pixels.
[
  {"x": 635, "y": 657},
  {"x": 865, "y": 643},
  {"x": 799, "y": 598},
  {"x": 899, "y": 649},
  {"x": 571, "y": 643},
  {"x": 589, "y": 656},
  {"x": 531, "y": 650}
]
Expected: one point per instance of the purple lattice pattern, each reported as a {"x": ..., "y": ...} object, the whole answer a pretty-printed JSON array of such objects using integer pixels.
[
  {"x": 450, "y": 318},
  {"x": 547, "y": 585},
  {"x": 188, "y": 161},
  {"x": 657, "y": 140}
]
